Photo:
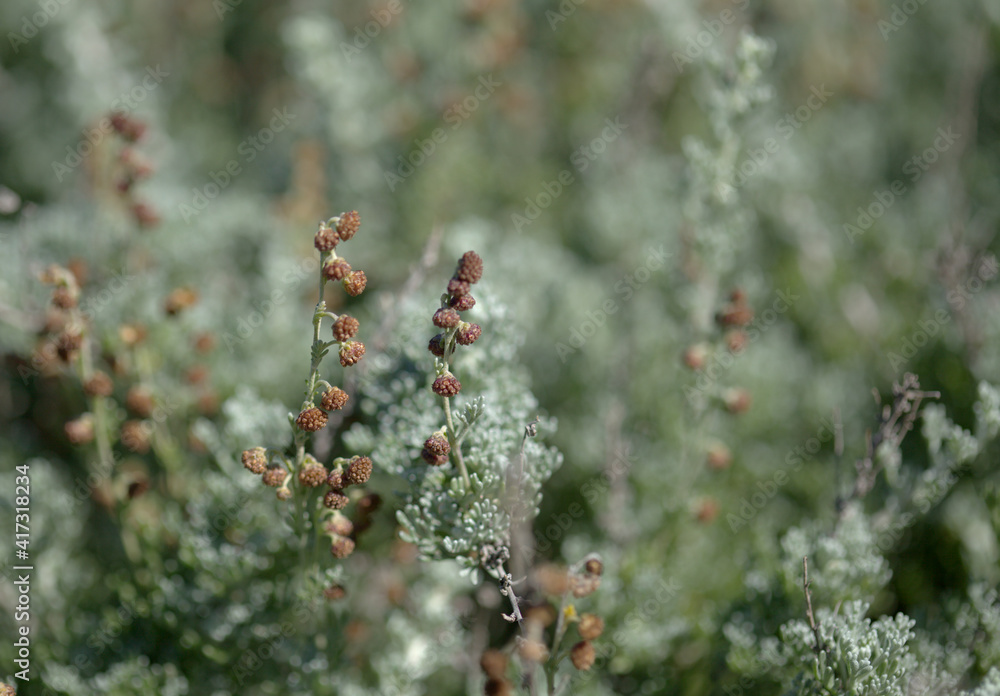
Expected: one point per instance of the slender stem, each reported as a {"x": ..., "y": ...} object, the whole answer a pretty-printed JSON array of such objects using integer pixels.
[{"x": 456, "y": 447}]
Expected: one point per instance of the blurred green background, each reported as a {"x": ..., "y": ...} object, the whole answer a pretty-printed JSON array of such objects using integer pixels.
[{"x": 622, "y": 167}]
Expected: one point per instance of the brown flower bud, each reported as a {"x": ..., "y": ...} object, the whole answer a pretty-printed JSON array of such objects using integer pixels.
[
  {"x": 135, "y": 436},
  {"x": 355, "y": 283},
  {"x": 326, "y": 238},
  {"x": 447, "y": 385},
  {"x": 533, "y": 650},
  {"x": 80, "y": 431},
  {"x": 437, "y": 444},
  {"x": 345, "y": 328},
  {"x": 335, "y": 500},
  {"x": 359, "y": 470},
  {"x": 139, "y": 401},
  {"x": 446, "y": 318},
  {"x": 178, "y": 300},
  {"x": 591, "y": 626},
  {"x": 334, "y": 399},
  {"x": 311, "y": 420},
  {"x": 99, "y": 384},
  {"x": 470, "y": 267},
  {"x": 274, "y": 476},
  {"x": 351, "y": 353},
  {"x": 582, "y": 655},
  {"x": 341, "y": 547},
  {"x": 348, "y": 224},
  {"x": 468, "y": 333},
  {"x": 312, "y": 474},
  {"x": 336, "y": 269},
  {"x": 255, "y": 460},
  {"x": 463, "y": 303},
  {"x": 493, "y": 663}
]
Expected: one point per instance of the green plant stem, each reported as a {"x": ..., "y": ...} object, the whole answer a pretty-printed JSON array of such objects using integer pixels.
[{"x": 455, "y": 445}]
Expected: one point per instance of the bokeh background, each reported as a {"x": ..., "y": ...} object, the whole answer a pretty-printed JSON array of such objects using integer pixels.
[{"x": 623, "y": 167}]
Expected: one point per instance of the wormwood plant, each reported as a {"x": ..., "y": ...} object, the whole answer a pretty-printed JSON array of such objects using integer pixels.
[
  {"x": 842, "y": 570},
  {"x": 296, "y": 474}
]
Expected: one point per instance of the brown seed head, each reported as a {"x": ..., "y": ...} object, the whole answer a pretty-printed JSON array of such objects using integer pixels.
[
  {"x": 498, "y": 687},
  {"x": 351, "y": 352},
  {"x": 339, "y": 525},
  {"x": 468, "y": 333},
  {"x": 342, "y": 547},
  {"x": 335, "y": 500},
  {"x": 335, "y": 592},
  {"x": 463, "y": 303},
  {"x": 696, "y": 356},
  {"x": 311, "y": 420},
  {"x": 334, "y": 399},
  {"x": 326, "y": 238},
  {"x": 591, "y": 626},
  {"x": 735, "y": 315},
  {"x": 312, "y": 474},
  {"x": 493, "y": 663},
  {"x": 145, "y": 214},
  {"x": 737, "y": 400},
  {"x": 178, "y": 300},
  {"x": 99, "y": 384},
  {"x": 274, "y": 476},
  {"x": 132, "y": 334},
  {"x": 447, "y": 385},
  {"x": 533, "y": 650},
  {"x": 436, "y": 345},
  {"x": 65, "y": 297},
  {"x": 446, "y": 318},
  {"x": 135, "y": 436},
  {"x": 437, "y": 444},
  {"x": 80, "y": 431},
  {"x": 67, "y": 345},
  {"x": 736, "y": 340},
  {"x": 707, "y": 511},
  {"x": 470, "y": 267},
  {"x": 359, "y": 470},
  {"x": 718, "y": 457},
  {"x": 336, "y": 269},
  {"x": 582, "y": 655},
  {"x": 458, "y": 288},
  {"x": 433, "y": 459},
  {"x": 345, "y": 327},
  {"x": 348, "y": 224},
  {"x": 355, "y": 283},
  {"x": 335, "y": 479},
  {"x": 255, "y": 460},
  {"x": 139, "y": 401}
]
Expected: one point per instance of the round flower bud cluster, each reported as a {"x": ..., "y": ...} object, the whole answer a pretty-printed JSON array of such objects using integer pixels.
[
  {"x": 494, "y": 665},
  {"x": 331, "y": 233},
  {"x": 355, "y": 471},
  {"x": 457, "y": 300}
]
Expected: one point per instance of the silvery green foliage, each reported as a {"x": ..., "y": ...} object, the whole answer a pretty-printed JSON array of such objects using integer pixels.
[
  {"x": 130, "y": 676},
  {"x": 990, "y": 686},
  {"x": 439, "y": 515},
  {"x": 843, "y": 566},
  {"x": 732, "y": 88},
  {"x": 857, "y": 656}
]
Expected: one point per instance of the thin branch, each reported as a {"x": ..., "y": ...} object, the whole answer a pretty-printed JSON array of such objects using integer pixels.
[{"x": 809, "y": 606}]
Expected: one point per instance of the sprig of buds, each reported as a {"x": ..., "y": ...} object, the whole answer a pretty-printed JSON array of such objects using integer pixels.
[
  {"x": 301, "y": 475},
  {"x": 455, "y": 331},
  {"x": 540, "y": 642}
]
